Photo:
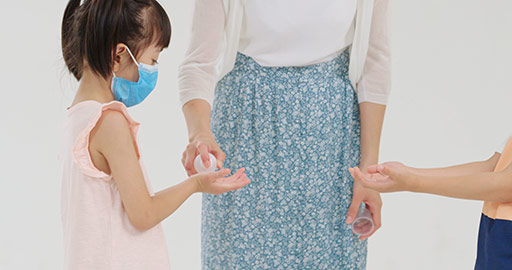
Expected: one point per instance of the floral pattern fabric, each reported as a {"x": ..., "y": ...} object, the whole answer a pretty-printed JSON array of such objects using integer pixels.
[{"x": 296, "y": 130}]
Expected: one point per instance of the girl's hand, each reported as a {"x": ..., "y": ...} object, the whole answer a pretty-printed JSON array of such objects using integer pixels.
[
  {"x": 202, "y": 145},
  {"x": 217, "y": 183},
  {"x": 386, "y": 177}
]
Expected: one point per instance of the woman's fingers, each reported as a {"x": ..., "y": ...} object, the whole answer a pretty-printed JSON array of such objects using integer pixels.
[
  {"x": 220, "y": 156},
  {"x": 354, "y": 175},
  {"x": 357, "y": 199},
  {"x": 377, "y": 214},
  {"x": 375, "y": 208},
  {"x": 188, "y": 160},
  {"x": 353, "y": 209},
  {"x": 356, "y": 202},
  {"x": 204, "y": 151}
]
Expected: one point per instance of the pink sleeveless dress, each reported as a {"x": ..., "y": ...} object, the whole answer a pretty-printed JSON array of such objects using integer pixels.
[{"x": 97, "y": 232}]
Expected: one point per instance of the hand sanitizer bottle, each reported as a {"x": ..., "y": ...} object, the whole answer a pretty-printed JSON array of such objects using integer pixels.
[
  {"x": 363, "y": 223},
  {"x": 199, "y": 166}
]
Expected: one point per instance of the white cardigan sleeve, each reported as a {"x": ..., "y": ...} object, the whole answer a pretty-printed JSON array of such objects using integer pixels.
[
  {"x": 375, "y": 83},
  {"x": 199, "y": 71}
]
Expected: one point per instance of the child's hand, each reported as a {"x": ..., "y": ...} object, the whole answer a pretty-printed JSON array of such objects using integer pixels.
[
  {"x": 217, "y": 183},
  {"x": 386, "y": 177}
]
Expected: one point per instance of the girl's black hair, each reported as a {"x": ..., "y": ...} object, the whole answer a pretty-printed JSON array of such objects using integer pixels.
[{"x": 91, "y": 31}]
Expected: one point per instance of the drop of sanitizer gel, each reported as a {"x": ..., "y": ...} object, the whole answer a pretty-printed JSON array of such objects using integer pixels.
[{"x": 199, "y": 166}]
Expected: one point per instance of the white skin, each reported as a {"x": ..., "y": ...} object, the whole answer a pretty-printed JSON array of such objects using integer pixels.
[{"x": 113, "y": 152}]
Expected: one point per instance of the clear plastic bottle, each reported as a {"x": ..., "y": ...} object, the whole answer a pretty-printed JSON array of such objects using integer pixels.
[
  {"x": 199, "y": 166},
  {"x": 363, "y": 223}
]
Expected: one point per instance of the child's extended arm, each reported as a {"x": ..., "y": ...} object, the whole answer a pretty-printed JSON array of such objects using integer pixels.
[
  {"x": 112, "y": 138},
  {"x": 464, "y": 181},
  {"x": 463, "y": 169},
  {"x": 487, "y": 186}
]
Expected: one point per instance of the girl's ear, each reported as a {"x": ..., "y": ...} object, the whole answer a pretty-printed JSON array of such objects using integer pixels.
[{"x": 119, "y": 55}]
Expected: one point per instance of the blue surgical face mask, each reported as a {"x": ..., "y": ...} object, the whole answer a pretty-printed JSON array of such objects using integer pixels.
[{"x": 132, "y": 93}]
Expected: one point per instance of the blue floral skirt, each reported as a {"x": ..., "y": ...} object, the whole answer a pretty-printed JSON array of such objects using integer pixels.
[{"x": 296, "y": 130}]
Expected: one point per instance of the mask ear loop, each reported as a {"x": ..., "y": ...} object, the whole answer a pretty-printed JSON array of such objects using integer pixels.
[
  {"x": 112, "y": 83},
  {"x": 133, "y": 57}
]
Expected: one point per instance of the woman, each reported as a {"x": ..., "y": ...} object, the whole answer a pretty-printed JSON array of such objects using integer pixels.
[{"x": 286, "y": 103}]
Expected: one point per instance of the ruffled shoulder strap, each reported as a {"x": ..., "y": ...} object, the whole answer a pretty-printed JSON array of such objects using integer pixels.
[{"x": 81, "y": 152}]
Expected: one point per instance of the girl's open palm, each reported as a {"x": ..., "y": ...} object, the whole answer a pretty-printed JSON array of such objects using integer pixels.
[
  {"x": 217, "y": 183},
  {"x": 386, "y": 177}
]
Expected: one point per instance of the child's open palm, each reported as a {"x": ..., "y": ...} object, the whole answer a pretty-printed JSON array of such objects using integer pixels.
[
  {"x": 386, "y": 177},
  {"x": 217, "y": 183}
]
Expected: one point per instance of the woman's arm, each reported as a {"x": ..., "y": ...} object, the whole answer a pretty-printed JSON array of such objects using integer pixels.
[
  {"x": 200, "y": 136},
  {"x": 197, "y": 78},
  {"x": 198, "y": 73},
  {"x": 373, "y": 90},
  {"x": 375, "y": 83},
  {"x": 113, "y": 140},
  {"x": 372, "y": 116}
]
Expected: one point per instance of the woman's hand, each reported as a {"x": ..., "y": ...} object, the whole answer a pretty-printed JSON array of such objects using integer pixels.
[
  {"x": 373, "y": 202},
  {"x": 202, "y": 145},
  {"x": 217, "y": 183},
  {"x": 386, "y": 177}
]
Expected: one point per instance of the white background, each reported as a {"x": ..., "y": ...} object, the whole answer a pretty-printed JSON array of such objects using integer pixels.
[{"x": 451, "y": 103}]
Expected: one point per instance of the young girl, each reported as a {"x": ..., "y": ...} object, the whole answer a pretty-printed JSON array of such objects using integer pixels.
[
  {"x": 111, "y": 217},
  {"x": 489, "y": 181}
]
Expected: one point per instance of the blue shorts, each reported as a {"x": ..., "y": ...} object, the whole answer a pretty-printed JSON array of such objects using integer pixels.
[{"x": 494, "y": 244}]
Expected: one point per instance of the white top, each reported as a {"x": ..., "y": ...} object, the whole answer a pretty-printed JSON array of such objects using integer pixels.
[
  {"x": 309, "y": 33},
  {"x": 220, "y": 28}
]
